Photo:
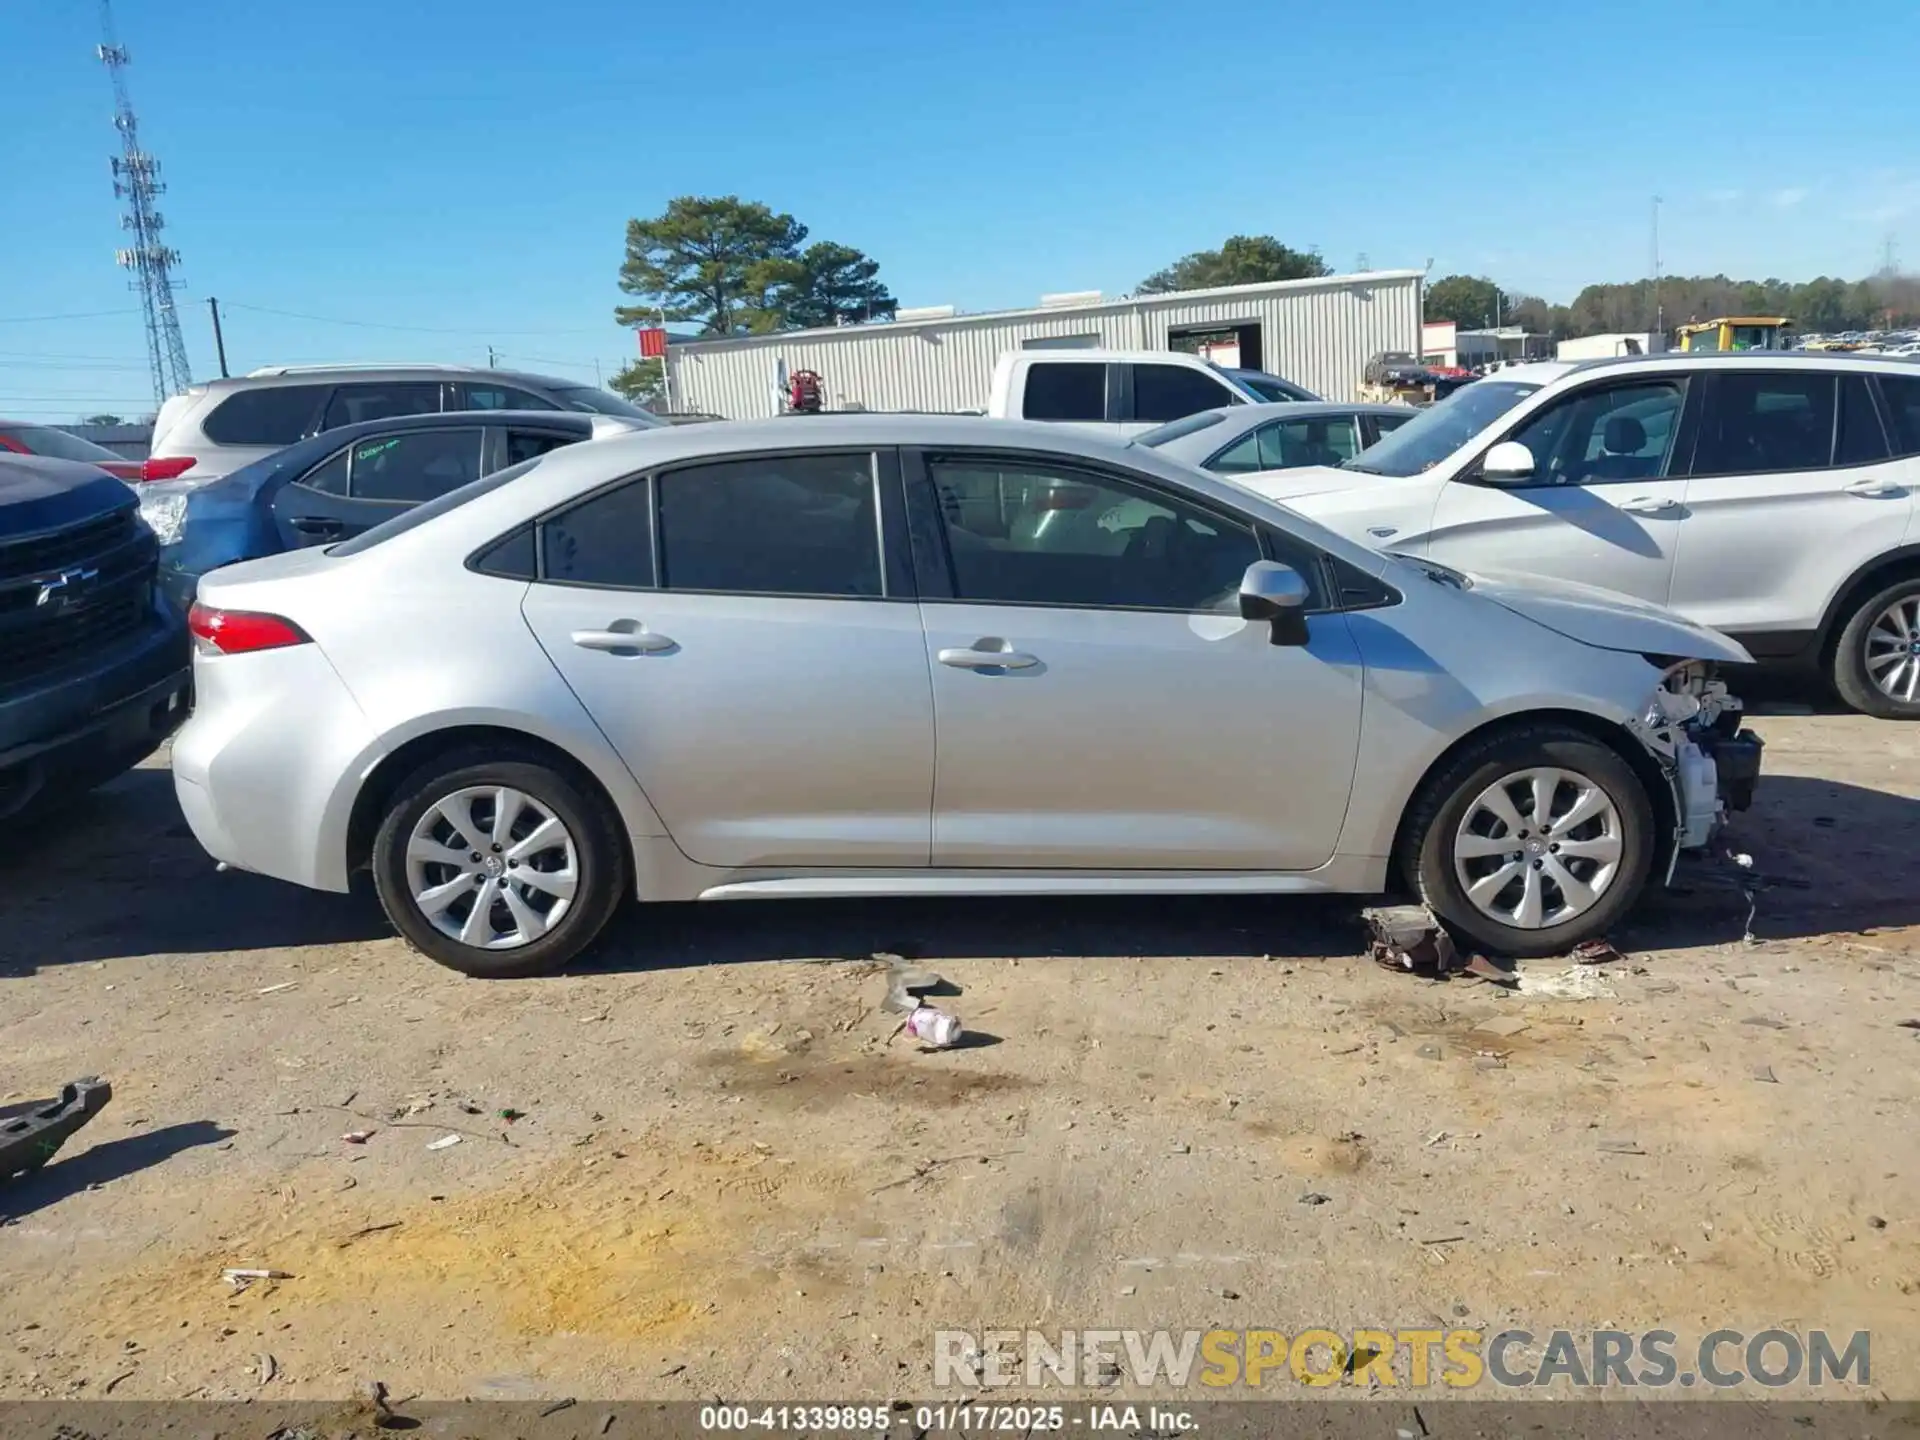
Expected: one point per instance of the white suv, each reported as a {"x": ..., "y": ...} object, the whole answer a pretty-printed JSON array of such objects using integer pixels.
[{"x": 1770, "y": 496}]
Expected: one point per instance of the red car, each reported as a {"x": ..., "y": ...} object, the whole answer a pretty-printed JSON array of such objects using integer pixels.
[{"x": 24, "y": 438}]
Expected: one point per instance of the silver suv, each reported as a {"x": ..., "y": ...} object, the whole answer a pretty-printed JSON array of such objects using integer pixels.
[{"x": 221, "y": 425}]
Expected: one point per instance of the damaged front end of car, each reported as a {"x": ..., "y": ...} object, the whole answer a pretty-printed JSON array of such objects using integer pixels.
[{"x": 1691, "y": 727}]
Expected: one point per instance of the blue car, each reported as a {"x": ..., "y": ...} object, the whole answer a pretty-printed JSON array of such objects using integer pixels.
[{"x": 343, "y": 481}]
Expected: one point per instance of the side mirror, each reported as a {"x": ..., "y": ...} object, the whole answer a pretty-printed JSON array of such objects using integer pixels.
[
  {"x": 1508, "y": 463},
  {"x": 1277, "y": 594}
]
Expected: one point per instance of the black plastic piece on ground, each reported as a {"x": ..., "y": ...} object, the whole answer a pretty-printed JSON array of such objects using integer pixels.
[{"x": 28, "y": 1141}]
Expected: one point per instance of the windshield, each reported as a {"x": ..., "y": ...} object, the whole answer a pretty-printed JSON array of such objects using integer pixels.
[
  {"x": 1173, "y": 430},
  {"x": 1270, "y": 387},
  {"x": 599, "y": 402},
  {"x": 1439, "y": 430},
  {"x": 58, "y": 445}
]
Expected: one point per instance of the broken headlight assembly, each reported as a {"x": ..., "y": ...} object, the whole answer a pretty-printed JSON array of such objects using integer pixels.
[{"x": 1692, "y": 725}]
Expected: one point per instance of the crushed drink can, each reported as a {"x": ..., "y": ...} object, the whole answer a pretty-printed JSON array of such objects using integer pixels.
[{"x": 934, "y": 1027}]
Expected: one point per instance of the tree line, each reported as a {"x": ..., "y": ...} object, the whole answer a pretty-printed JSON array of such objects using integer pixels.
[
  {"x": 739, "y": 267},
  {"x": 1883, "y": 301}
]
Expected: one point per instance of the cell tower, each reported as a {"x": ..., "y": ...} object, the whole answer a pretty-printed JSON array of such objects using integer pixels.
[{"x": 136, "y": 179}]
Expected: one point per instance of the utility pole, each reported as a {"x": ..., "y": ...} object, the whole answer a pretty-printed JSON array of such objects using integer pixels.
[
  {"x": 1659, "y": 311},
  {"x": 493, "y": 361},
  {"x": 219, "y": 340},
  {"x": 136, "y": 179}
]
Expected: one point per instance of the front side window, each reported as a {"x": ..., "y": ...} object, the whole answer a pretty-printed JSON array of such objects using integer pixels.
[
  {"x": 1764, "y": 422},
  {"x": 1068, "y": 391},
  {"x": 1172, "y": 392},
  {"x": 1030, "y": 534},
  {"x": 1902, "y": 394},
  {"x": 778, "y": 525},
  {"x": 1602, "y": 435},
  {"x": 268, "y": 415},
  {"x": 1327, "y": 440},
  {"x": 418, "y": 465},
  {"x": 607, "y": 539},
  {"x": 381, "y": 400}
]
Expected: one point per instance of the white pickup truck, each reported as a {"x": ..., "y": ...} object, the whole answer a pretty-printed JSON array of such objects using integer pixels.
[{"x": 1124, "y": 392}]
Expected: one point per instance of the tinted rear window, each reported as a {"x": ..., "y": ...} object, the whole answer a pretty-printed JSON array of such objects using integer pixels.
[
  {"x": 58, "y": 445},
  {"x": 420, "y": 514},
  {"x": 1076, "y": 391},
  {"x": 269, "y": 415}
]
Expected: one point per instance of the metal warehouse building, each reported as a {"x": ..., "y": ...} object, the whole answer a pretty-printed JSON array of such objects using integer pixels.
[{"x": 1317, "y": 333}]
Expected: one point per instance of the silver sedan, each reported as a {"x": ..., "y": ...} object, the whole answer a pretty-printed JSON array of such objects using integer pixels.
[
  {"x": 893, "y": 655},
  {"x": 1243, "y": 439}
]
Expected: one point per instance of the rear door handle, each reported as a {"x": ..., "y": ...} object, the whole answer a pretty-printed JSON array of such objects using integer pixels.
[
  {"x": 319, "y": 526},
  {"x": 1650, "y": 505},
  {"x": 1875, "y": 488},
  {"x": 974, "y": 658},
  {"x": 638, "y": 641}
]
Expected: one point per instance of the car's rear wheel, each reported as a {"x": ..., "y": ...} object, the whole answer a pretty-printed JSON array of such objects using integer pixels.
[
  {"x": 498, "y": 867},
  {"x": 1531, "y": 840},
  {"x": 1876, "y": 661}
]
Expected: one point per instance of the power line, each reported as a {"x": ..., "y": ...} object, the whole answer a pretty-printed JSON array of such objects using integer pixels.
[
  {"x": 76, "y": 315},
  {"x": 413, "y": 329}
]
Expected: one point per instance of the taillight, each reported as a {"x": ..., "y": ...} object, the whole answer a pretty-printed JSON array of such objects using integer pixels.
[
  {"x": 169, "y": 469},
  {"x": 235, "y": 632}
]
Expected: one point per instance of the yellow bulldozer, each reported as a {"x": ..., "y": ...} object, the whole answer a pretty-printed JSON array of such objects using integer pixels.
[{"x": 1736, "y": 332}]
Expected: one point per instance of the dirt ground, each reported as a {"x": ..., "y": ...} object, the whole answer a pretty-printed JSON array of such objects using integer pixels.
[{"x": 728, "y": 1181}]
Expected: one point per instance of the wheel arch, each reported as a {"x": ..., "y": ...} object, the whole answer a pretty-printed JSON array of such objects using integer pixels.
[
  {"x": 370, "y": 802},
  {"x": 1597, "y": 728},
  {"x": 1902, "y": 563}
]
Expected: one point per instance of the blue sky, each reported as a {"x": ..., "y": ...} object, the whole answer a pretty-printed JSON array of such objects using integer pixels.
[{"x": 467, "y": 169}]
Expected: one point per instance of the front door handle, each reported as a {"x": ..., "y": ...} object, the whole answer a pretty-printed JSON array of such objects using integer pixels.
[
  {"x": 1650, "y": 505},
  {"x": 318, "y": 526},
  {"x": 635, "y": 641},
  {"x": 1875, "y": 489},
  {"x": 984, "y": 655}
]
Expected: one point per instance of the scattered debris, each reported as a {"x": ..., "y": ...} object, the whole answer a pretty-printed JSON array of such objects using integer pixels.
[
  {"x": 1314, "y": 1197},
  {"x": 107, "y": 1389},
  {"x": 670, "y": 1372},
  {"x": 29, "y": 1140},
  {"x": 1876, "y": 1222},
  {"x": 510, "y": 1115},
  {"x": 1489, "y": 1060},
  {"x": 359, "y": 1137},
  {"x": 1349, "y": 1050},
  {"x": 933, "y": 1028},
  {"x": 266, "y": 1367},
  {"x": 1479, "y": 967},
  {"x": 1765, "y": 1022},
  {"x": 1578, "y": 982},
  {"x": 905, "y": 984},
  {"x": 1182, "y": 1148},
  {"x": 1764, "y": 1073},
  {"x": 1438, "y": 1137},
  {"x": 241, "y": 1278},
  {"x": 1595, "y": 952},
  {"x": 1430, "y": 1052},
  {"x": 445, "y": 1142},
  {"x": 1443, "y": 1240},
  {"x": 276, "y": 989},
  {"x": 374, "y": 1394},
  {"x": 1621, "y": 1147},
  {"x": 558, "y": 1406},
  {"x": 1128, "y": 1289},
  {"x": 1229, "y": 1294},
  {"x": 1909, "y": 1024},
  {"x": 1502, "y": 1026},
  {"x": 1410, "y": 938},
  {"x": 366, "y": 1230}
]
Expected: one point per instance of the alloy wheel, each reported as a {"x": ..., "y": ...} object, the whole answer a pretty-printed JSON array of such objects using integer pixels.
[
  {"x": 492, "y": 867},
  {"x": 1538, "y": 847},
  {"x": 1893, "y": 650}
]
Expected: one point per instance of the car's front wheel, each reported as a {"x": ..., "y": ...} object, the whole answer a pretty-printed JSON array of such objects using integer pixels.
[
  {"x": 1876, "y": 661},
  {"x": 498, "y": 867},
  {"x": 1531, "y": 840}
]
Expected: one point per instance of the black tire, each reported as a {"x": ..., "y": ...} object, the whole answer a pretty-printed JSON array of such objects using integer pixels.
[
  {"x": 1851, "y": 678},
  {"x": 600, "y": 858},
  {"x": 1426, "y": 844}
]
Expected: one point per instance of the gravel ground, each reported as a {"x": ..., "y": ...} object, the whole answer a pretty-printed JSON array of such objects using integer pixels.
[{"x": 730, "y": 1178}]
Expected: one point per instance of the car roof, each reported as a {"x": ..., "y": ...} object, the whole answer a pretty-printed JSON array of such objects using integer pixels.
[
  {"x": 312, "y": 374},
  {"x": 1736, "y": 359}
]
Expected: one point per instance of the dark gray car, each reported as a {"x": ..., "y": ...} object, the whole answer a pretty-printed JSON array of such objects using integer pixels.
[{"x": 1243, "y": 439}]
